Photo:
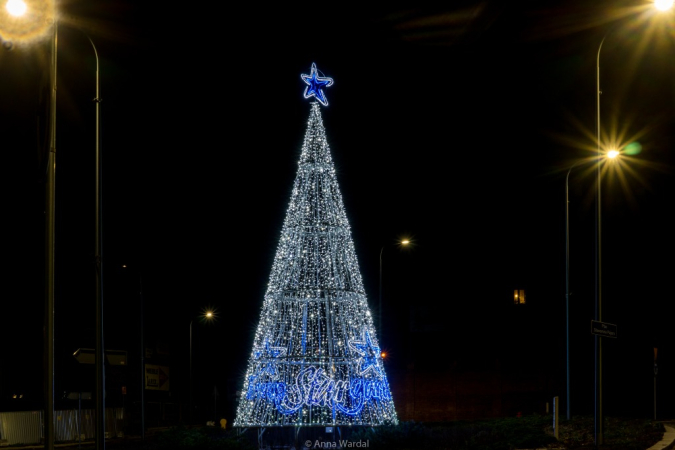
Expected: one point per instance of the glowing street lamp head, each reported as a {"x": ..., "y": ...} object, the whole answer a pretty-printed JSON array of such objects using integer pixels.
[
  {"x": 16, "y": 8},
  {"x": 22, "y": 21},
  {"x": 663, "y": 5},
  {"x": 612, "y": 154},
  {"x": 405, "y": 242}
]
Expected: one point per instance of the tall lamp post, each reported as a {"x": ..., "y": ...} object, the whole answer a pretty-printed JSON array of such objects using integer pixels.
[
  {"x": 567, "y": 287},
  {"x": 611, "y": 155},
  {"x": 661, "y": 5},
  {"x": 98, "y": 261},
  {"x": 50, "y": 263},
  {"x": 403, "y": 242},
  {"x": 207, "y": 316},
  {"x": 46, "y": 15}
]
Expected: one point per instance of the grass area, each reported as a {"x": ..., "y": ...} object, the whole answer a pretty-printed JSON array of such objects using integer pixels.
[
  {"x": 619, "y": 434},
  {"x": 528, "y": 432}
]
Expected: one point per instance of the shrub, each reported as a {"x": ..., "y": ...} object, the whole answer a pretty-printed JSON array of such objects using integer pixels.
[{"x": 182, "y": 438}]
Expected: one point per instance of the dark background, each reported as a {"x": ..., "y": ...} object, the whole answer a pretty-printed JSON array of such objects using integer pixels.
[{"x": 452, "y": 126}]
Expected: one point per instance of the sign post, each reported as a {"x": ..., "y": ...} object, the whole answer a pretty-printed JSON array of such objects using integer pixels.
[
  {"x": 600, "y": 330},
  {"x": 556, "y": 407},
  {"x": 656, "y": 371}
]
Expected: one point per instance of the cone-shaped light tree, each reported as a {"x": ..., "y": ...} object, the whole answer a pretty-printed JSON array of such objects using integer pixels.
[{"x": 316, "y": 359}]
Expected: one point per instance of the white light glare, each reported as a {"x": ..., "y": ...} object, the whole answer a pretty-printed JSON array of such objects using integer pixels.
[
  {"x": 612, "y": 154},
  {"x": 663, "y": 5},
  {"x": 16, "y": 7}
]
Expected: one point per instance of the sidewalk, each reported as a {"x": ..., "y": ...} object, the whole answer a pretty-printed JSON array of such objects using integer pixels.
[{"x": 668, "y": 440}]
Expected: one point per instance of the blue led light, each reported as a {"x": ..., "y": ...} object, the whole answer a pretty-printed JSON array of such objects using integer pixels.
[
  {"x": 316, "y": 359},
  {"x": 315, "y": 85},
  {"x": 314, "y": 387},
  {"x": 369, "y": 354},
  {"x": 266, "y": 358}
]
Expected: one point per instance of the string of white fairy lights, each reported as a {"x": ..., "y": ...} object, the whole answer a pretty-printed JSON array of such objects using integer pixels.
[{"x": 315, "y": 360}]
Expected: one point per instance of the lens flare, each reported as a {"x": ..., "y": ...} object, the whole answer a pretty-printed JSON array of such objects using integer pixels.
[{"x": 633, "y": 148}]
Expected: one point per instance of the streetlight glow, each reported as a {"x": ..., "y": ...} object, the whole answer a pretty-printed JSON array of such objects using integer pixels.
[
  {"x": 24, "y": 21},
  {"x": 612, "y": 154},
  {"x": 663, "y": 5},
  {"x": 16, "y": 7}
]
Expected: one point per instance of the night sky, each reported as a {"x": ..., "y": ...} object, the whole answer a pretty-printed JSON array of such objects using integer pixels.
[{"x": 453, "y": 126}]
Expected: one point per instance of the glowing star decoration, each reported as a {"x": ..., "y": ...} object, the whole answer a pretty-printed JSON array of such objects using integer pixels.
[
  {"x": 315, "y": 85},
  {"x": 369, "y": 354},
  {"x": 315, "y": 358}
]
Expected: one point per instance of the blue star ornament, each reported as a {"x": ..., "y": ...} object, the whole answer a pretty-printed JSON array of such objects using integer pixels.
[
  {"x": 315, "y": 85},
  {"x": 369, "y": 353}
]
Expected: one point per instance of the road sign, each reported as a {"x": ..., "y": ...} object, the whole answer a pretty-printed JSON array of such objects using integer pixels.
[
  {"x": 603, "y": 329},
  {"x": 156, "y": 377},
  {"x": 113, "y": 357}
]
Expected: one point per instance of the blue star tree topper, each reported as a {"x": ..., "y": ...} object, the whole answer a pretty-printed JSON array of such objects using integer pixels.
[{"x": 315, "y": 85}]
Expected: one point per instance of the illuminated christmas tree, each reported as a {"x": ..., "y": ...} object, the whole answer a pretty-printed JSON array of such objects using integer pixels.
[{"x": 316, "y": 359}]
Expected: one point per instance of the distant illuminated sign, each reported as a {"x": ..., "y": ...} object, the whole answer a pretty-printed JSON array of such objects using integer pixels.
[{"x": 156, "y": 377}]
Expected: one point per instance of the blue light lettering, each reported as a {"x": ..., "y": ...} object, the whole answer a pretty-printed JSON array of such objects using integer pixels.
[{"x": 313, "y": 387}]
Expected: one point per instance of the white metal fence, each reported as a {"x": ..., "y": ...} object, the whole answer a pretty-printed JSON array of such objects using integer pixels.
[{"x": 26, "y": 427}]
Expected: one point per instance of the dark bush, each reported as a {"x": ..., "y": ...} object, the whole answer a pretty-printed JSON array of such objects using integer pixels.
[
  {"x": 514, "y": 433},
  {"x": 182, "y": 438},
  {"x": 405, "y": 435}
]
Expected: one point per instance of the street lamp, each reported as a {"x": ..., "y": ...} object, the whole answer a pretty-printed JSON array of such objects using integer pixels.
[
  {"x": 661, "y": 5},
  {"x": 42, "y": 15},
  {"x": 208, "y": 315},
  {"x": 14, "y": 27},
  {"x": 609, "y": 155},
  {"x": 402, "y": 242},
  {"x": 567, "y": 285},
  {"x": 98, "y": 261}
]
